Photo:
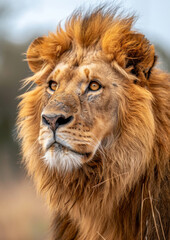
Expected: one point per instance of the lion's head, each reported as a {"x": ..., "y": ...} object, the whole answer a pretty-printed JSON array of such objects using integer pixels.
[
  {"x": 90, "y": 116},
  {"x": 84, "y": 89}
]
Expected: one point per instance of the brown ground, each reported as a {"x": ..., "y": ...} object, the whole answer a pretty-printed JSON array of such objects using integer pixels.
[{"x": 23, "y": 215}]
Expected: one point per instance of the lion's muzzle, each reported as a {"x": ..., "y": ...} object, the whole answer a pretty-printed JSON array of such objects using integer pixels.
[{"x": 64, "y": 136}]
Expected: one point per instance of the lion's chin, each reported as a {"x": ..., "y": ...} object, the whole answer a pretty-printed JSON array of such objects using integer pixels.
[{"x": 64, "y": 159}]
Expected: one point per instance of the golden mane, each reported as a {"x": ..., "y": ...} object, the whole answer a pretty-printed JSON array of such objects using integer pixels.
[
  {"x": 104, "y": 29},
  {"x": 102, "y": 199}
]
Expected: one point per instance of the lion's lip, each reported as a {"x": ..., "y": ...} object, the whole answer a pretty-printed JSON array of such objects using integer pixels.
[{"x": 86, "y": 154}]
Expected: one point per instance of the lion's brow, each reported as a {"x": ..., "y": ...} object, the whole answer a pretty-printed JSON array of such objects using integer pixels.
[{"x": 59, "y": 69}]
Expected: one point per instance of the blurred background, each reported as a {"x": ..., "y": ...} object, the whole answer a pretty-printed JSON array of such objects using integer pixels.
[{"x": 23, "y": 216}]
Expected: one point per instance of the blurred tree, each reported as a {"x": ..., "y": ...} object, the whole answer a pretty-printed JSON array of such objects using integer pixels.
[{"x": 12, "y": 70}]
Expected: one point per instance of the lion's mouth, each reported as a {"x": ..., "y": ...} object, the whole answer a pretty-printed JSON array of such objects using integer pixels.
[{"x": 66, "y": 149}]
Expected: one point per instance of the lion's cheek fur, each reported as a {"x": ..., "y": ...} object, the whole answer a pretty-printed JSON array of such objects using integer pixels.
[
  {"x": 29, "y": 126},
  {"x": 131, "y": 150}
]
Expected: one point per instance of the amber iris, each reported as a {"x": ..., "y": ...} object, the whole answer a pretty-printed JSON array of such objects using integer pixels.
[
  {"x": 94, "y": 86},
  {"x": 52, "y": 85}
]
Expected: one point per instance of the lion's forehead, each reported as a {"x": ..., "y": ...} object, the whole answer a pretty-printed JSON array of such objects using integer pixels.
[
  {"x": 87, "y": 69},
  {"x": 61, "y": 67},
  {"x": 84, "y": 71}
]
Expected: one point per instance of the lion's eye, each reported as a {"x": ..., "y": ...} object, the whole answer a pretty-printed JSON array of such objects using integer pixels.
[
  {"x": 52, "y": 85},
  {"x": 94, "y": 86}
]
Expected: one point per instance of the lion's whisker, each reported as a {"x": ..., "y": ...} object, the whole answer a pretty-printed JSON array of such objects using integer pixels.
[{"x": 112, "y": 178}]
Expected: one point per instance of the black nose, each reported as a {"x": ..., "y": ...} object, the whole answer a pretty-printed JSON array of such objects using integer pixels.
[{"x": 56, "y": 120}]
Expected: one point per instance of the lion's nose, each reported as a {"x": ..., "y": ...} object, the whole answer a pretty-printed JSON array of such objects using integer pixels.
[{"x": 55, "y": 121}]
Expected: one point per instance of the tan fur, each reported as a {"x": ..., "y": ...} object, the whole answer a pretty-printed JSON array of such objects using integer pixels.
[{"x": 120, "y": 190}]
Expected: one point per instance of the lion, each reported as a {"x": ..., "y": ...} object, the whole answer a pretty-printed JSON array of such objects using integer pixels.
[{"x": 94, "y": 129}]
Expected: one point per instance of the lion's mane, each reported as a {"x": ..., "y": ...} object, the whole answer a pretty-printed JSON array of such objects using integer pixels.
[{"x": 123, "y": 192}]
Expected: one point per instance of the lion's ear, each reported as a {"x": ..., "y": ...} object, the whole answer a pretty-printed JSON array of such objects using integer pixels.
[
  {"x": 46, "y": 50},
  {"x": 34, "y": 56},
  {"x": 140, "y": 55},
  {"x": 130, "y": 49}
]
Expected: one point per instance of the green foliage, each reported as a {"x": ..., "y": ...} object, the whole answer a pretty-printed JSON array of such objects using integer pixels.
[{"x": 12, "y": 70}]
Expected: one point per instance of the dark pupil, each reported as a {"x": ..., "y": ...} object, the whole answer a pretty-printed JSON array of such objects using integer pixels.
[
  {"x": 94, "y": 85},
  {"x": 52, "y": 85}
]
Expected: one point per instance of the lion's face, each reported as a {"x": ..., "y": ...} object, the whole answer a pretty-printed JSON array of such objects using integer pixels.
[{"x": 79, "y": 113}]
